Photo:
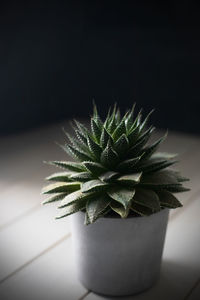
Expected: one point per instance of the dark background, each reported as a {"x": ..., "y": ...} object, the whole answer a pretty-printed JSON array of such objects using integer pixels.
[{"x": 56, "y": 56}]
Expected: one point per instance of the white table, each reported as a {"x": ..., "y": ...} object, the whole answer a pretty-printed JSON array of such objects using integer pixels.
[{"x": 35, "y": 250}]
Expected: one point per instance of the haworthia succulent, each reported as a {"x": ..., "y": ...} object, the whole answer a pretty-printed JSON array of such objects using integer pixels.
[{"x": 117, "y": 170}]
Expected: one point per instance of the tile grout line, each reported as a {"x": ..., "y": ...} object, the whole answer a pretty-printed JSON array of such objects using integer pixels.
[
  {"x": 20, "y": 217},
  {"x": 65, "y": 237},
  {"x": 192, "y": 289},
  {"x": 84, "y": 295}
]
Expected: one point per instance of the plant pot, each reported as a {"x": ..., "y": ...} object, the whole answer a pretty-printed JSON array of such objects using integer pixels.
[{"x": 119, "y": 257}]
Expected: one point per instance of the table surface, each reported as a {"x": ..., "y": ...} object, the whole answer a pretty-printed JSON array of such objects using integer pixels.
[{"x": 35, "y": 250}]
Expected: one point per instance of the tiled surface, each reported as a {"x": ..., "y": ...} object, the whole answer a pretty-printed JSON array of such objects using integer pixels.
[{"x": 35, "y": 251}]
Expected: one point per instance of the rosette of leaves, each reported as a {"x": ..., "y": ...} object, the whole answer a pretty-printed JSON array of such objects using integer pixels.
[{"x": 116, "y": 171}]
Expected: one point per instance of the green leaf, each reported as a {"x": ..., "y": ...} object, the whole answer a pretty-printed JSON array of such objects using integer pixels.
[
  {"x": 81, "y": 137},
  {"x": 96, "y": 116},
  {"x": 107, "y": 120},
  {"x": 69, "y": 165},
  {"x": 121, "y": 145},
  {"x": 94, "y": 148},
  {"x": 74, "y": 197},
  {"x": 177, "y": 175},
  {"x": 76, "y": 144},
  {"x": 164, "y": 177},
  {"x": 140, "y": 209},
  {"x": 69, "y": 210},
  {"x": 149, "y": 150},
  {"x": 96, "y": 207},
  {"x": 129, "y": 119},
  {"x": 128, "y": 165},
  {"x": 80, "y": 155},
  {"x": 117, "y": 116},
  {"x": 84, "y": 131},
  {"x": 94, "y": 185},
  {"x": 130, "y": 179},
  {"x": 176, "y": 189},
  {"x": 55, "y": 198},
  {"x": 181, "y": 178},
  {"x": 121, "y": 195},
  {"x": 138, "y": 146},
  {"x": 119, "y": 209},
  {"x": 61, "y": 187},
  {"x": 60, "y": 176},
  {"x": 111, "y": 127},
  {"x": 105, "y": 137},
  {"x": 94, "y": 167},
  {"x": 154, "y": 165},
  {"x": 164, "y": 155},
  {"x": 109, "y": 157},
  {"x": 137, "y": 121},
  {"x": 105, "y": 212},
  {"x": 82, "y": 177},
  {"x": 142, "y": 126},
  {"x": 109, "y": 176},
  {"x": 168, "y": 200},
  {"x": 139, "y": 118},
  {"x": 147, "y": 198},
  {"x": 120, "y": 129},
  {"x": 133, "y": 135},
  {"x": 96, "y": 131},
  {"x": 146, "y": 135},
  {"x": 70, "y": 198}
]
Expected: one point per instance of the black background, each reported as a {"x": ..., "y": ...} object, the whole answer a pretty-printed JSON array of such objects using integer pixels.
[{"x": 56, "y": 56}]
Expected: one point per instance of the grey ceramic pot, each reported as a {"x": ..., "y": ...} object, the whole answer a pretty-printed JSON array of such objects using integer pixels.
[{"x": 119, "y": 257}]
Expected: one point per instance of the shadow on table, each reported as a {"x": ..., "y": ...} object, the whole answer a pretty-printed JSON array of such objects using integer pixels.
[{"x": 174, "y": 283}]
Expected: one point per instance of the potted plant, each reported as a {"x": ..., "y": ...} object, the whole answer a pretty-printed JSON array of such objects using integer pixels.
[{"x": 125, "y": 187}]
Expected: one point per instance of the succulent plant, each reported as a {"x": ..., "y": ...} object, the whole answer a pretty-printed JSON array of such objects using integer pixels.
[{"x": 116, "y": 170}]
